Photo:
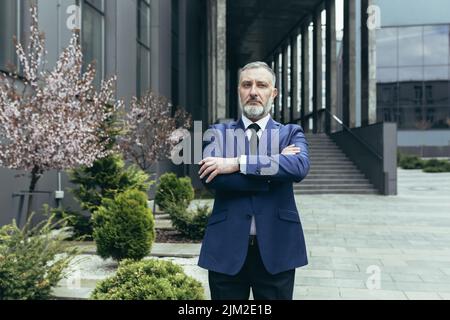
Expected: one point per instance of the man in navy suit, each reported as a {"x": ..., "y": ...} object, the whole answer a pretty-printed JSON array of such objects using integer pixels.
[{"x": 254, "y": 238}]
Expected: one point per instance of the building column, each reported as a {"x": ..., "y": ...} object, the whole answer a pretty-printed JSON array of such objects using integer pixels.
[
  {"x": 317, "y": 69},
  {"x": 284, "y": 108},
  {"x": 368, "y": 67},
  {"x": 294, "y": 114},
  {"x": 305, "y": 75},
  {"x": 276, "y": 105},
  {"x": 217, "y": 60},
  {"x": 331, "y": 64},
  {"x": 349, "y": 88}
]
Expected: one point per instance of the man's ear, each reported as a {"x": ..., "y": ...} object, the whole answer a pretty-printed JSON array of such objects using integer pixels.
[{"x": 275, "y": 93}]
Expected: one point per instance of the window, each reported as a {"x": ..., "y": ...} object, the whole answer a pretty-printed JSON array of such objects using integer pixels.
[
  {"x": 175, "y": 52},
  {"x": 289, "y": 84},
  {"x": 280, "y": 85},
  {"x": 299, "y": 76},
  {"x": 143, "y": 47},
  {"x": 311, "y": 68},
  {"x": 387, "y": 44},
  {"x": 324, "y": 59},
  {"x": 8, "y": 28},
  {"x": 92, "y": 36},
  {"x": 410, "y": 46},
  {"x": 436, "y": 45},
  {"x": 415, "y": 61}
]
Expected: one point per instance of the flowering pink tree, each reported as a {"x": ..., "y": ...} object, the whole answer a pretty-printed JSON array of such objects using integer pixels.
[
  {"x": 52, "y": 119},
  {"x": 152, "y": 131}
]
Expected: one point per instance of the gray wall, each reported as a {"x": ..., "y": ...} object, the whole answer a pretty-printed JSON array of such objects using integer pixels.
[
  {"x": 13, "y": 205},
  {"x": 373, "y": 149},
  {"x": 120, "y": 58},
  {"x": 124, "y": 37}
]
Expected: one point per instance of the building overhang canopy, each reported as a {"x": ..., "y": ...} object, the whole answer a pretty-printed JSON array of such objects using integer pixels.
[{"x": 257, "y": 27}]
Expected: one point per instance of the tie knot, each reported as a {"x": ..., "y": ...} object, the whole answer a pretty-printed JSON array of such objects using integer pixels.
[{"x": 254, "y": 126}]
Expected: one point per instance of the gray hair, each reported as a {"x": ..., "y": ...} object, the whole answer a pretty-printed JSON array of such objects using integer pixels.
[{"x": 257, "y": 65}]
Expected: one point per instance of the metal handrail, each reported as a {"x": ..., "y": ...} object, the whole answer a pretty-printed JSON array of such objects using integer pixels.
[
  {"x": 311, "y": 114},
  {"x": 354, "y": 135}
]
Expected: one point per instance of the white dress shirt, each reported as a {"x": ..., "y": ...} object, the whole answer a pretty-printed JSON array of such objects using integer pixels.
[{"x": 243, "y": 159}]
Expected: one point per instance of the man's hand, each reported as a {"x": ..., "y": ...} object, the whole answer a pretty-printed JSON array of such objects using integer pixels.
[
  {"x": 214, "y": 166},
  {"x": 290, "y": 150}
]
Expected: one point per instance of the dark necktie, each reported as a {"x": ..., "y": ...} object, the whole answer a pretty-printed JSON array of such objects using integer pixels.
[{"x": 254, "y": 140}]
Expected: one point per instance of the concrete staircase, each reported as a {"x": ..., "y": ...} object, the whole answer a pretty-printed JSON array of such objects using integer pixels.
[{"x": 331, "y": 171}]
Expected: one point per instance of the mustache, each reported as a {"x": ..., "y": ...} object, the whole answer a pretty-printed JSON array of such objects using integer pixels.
[{"x": 253, "y": 100}]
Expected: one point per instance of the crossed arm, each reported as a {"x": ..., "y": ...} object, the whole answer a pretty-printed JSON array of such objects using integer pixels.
[{"x": 225, "y": 173}]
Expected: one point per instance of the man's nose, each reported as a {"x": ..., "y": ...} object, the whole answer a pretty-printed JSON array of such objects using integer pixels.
[{"x": 253, "y": 92}]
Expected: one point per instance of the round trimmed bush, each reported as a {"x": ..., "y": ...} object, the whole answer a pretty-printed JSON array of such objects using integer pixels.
[
  {"x": 149, "y": 280},
  {"x": 190, "y": 223},
  {"x": 124, "y": 227},
  {"x": 174, "y": 190},
  {"x": 411, "y": 162},
  {"x": 436, "y": 166}
]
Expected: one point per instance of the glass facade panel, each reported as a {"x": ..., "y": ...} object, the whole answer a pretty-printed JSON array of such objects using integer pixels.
[
  {"x": 324, "y": 58},
  {"x": 144, "y": 55},
  {"x": 387, "y": 97},
  {"x": 299, "y": 77},
  {"x": 410, "y": 74},
  {"x": 98, "y": 4},
  {"x": 144, "y": 23},
  {"x": 8, "y": 28},
  {"x": 144, "y": 64},
  {"x": 280, "y": 84},
  {"x": 436, "y": 45},
  {"x": 387, "y": 75},
  {"x": 387, "y": 47},
  {"x": 415, "y": 90},
  {"x": 92, "y": 39},
  {"x": 410, "y": 44},
  {"x": 311, "y": 68},
  {"x": 436, "y": 73}
]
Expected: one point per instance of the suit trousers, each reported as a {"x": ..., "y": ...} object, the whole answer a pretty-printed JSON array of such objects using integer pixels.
[{"x": 265, "y": 286}]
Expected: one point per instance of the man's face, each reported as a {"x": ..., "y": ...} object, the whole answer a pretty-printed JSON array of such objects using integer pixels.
[{"x": 256, "y": 93}]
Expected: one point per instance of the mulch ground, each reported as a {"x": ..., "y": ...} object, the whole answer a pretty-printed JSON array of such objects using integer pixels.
[{"x": 172, "y": 236}]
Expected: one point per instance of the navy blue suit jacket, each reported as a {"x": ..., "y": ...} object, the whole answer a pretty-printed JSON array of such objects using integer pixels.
[{"x": 263, "y": 192}]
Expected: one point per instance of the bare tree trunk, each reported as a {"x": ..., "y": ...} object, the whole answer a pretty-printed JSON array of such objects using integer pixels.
[{"x": 36, "y": 174}]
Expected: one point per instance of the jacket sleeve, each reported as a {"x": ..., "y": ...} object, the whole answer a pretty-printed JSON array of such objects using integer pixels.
[
  {"x": 235, "y": 181},
  {"x": 282, "y": 167}
]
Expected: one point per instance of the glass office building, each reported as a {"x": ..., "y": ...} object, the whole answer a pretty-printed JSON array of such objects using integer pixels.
[{"x": 413, "y": 73}]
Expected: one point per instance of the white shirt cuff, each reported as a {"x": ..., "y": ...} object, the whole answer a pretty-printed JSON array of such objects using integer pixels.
[{"x": 243, "y": 164}]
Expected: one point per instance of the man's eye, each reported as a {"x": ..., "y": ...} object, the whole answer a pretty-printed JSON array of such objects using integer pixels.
[{"x": 262, "y": 85}]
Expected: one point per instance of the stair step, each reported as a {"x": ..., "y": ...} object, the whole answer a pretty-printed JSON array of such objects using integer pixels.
[
  {"x": 337, "y": 156},
  {"x": 307, "y": 181},
  {"x": 334, "y": 187},
  {"x": 320, "y": 167},
  {"x": 333, "y": 161},
  {"x": 326, "y": 151},
  {"x": 335, "y": 176},
  {"x": 319, "y": 192},
  {"x": 162, "y": 216},
  {"x": 332, "y": 170}
]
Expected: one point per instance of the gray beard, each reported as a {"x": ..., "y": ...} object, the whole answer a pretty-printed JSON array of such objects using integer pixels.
[{"x": 256, "y": 111}]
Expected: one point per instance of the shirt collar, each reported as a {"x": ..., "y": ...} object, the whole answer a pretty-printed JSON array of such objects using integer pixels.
[{"x": 261, "y": 122}]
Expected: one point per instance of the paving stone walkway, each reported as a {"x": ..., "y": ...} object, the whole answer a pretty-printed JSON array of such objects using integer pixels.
[{"x": 359, "y": 246}]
